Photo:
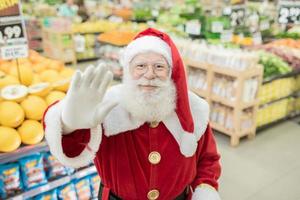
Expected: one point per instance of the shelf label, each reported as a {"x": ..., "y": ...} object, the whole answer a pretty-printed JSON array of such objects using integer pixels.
[
  {"x": 193, "y": 27},
  {"x": 82, "y": 174},
  {"x": 257, "y": 39},
  {"x": 289, "y": 12},
  {"x": 264, "y": 25},
  {"x": 19, "y": 197},
  {"x": 13, "y": 41},
  {"x": 226, "y": 36},
  {"x": 217, "y": 27},
  {"x": 45, "y": 188},
  {"x": 236, "y": 13}
]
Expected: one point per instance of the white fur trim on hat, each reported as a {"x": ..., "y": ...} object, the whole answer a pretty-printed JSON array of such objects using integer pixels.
[{"x": 146, "y": 44}]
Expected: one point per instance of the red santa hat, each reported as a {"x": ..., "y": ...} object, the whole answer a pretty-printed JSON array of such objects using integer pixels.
[{"x": 159, "y": 42}]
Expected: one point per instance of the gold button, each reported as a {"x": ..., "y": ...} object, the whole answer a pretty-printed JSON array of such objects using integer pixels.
[
  {"x": 154, "y": 157},
  {"x": 153, "y": 194},
  {"x": 154, "y": 124}
]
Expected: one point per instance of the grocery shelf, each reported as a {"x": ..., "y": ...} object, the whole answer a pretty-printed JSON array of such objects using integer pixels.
[
  {"x": 196, "y": 64},
  {"x": 230, "y": 103},
  {"x": 279, "y": 99},
  {"x": 291, "y": 74},
  {"x": 54, "y": 184},
  {"x": 22, "y": 152},
  {"x": 220, "y": 128},
  {"x": 200, "y": 92},
  {"x": 272, "y": 124},
  {"x": 87, "y": 59}
]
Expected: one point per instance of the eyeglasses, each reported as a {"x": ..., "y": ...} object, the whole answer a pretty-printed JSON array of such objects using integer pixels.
[{"x": 158, "y": 68}]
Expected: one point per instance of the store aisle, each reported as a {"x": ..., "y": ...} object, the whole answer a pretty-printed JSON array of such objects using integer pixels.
[{"x": 266, "y": 168}]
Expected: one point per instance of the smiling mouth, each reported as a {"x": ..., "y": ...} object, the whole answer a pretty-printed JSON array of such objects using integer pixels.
[{"x": 148, "y": 86}]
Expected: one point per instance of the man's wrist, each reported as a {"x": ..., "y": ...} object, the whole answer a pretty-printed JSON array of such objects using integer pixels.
[{"x": 205, "y": 185}]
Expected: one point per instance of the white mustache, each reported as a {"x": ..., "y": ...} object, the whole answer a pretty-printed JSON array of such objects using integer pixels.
[{"x": 154, "y": 82}]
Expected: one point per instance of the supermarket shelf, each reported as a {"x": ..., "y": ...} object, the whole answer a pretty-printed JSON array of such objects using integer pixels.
[
  {"x": 196, "y": 64},
  {"x": 220, "y": 128},
  {"x": 230, "y": 103},
  {"x": 271, "y": 124},
  {"x": 87, "y": 59},
  {"x": 54, "y": 184},
  {"x": 279, "y": 99},
  {"x": 200, "y": 92},
  {"x": 291, "y": 74},
  {"x": 22, "y": 152}
]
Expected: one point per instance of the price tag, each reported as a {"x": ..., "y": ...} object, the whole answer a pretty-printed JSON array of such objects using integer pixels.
[
  {"x": 14, "y": 51},
  {"x": 257, "y": 39},
  {"x": 217, "y": 27},
  {"x": 79, "y": 43},
  {"x": 13, "y": 42},
  {"x": 19, "y": 197},
  {"x": 236, "y": 13},
  {"x": 193, "y": 27},
  {"x": 226, "y": 36},
  {"x": 289, "y": 12},
  {"x": 45, "y": 188},
  {"x": 264, "y": 25}
]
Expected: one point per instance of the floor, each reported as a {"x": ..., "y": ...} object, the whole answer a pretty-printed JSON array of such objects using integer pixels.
[{"x": 266, "y": 168}]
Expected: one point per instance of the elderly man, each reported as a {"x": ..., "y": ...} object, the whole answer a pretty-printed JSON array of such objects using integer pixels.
[{"x": 148, "y": 137}]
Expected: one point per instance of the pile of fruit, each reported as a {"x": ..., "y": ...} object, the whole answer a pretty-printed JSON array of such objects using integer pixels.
[{"x": 26, "y": 92}]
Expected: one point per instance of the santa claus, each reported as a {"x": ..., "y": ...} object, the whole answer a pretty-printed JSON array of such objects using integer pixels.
[{"x": 148, "y": 137}]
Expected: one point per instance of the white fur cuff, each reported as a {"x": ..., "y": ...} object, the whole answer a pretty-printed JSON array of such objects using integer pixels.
[
  {"x": 53, "y": 135},
  {"x": 205, "y": 193}
]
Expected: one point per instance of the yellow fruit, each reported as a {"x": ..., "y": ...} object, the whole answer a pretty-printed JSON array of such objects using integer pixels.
[
  {"x": 40, "y": 89},
  {"x": 56, "y": 65},
  {"x": 5, "y": 67},
  {"x": 49, "y": 75},
  {"x": 11, "y": 114},
  {"x": 62, "y": 85},
  {"x": 39, "y": 67},
  {"x": 8, "y": 80},
  {"x": 31, "y": 132},
  {"x": 34, "y": 107},
  {"x": 67, "y": 72},
  {"x": 54, "y": 96},
  {"x": 26, "y": 73},
  {"x": 9, "y": 139},
  {"x": 2, "y": 73},
  {"x": 36, "y": 79},
  {"x": 14, "y": 93}
]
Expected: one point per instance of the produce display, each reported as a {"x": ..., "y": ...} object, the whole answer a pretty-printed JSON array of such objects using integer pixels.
[
  {"x": 118, "y": 38},
  {"x": 26, "y": 95},
  {"x": 273, "y": 65}
]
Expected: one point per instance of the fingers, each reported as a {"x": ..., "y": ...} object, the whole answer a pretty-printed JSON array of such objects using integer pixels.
[
  {"x": 105, "y": 83},
  {"x": 76, "y": 79},
  {"x": 87, "y": 76},
  {"x": 99, "y": 74},
  {"x": 103, "y": 109}
]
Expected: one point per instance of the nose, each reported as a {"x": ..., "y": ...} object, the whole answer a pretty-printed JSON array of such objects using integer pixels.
[{"x": 150, "y": 73}]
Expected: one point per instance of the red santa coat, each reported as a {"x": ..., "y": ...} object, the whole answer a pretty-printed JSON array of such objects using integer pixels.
[{"x": 121, "y": 148}]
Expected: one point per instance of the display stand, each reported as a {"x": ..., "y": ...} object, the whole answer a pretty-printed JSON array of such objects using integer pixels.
[
  {"x": 238, "y": 105},
  {"x": 59, "y": 45}
]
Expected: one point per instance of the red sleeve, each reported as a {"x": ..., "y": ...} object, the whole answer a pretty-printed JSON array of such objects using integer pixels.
[
  {"x": 73, "y": 143},
  {"x": 208, "y": 165}
]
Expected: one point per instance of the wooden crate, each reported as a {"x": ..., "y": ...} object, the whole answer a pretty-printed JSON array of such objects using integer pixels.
[
  {"x": 59, "y": 45},
  {"x": 238, "y": 105}
]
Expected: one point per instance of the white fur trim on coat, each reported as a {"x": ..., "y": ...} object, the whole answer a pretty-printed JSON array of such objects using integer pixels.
[
  {"x": 53, "y": 135},
  {"x": 118, "y": 121},
  {"x": 205, "y": 193}
]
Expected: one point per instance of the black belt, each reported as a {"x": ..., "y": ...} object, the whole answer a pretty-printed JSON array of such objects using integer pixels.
[{"x": 112, "y": 196}]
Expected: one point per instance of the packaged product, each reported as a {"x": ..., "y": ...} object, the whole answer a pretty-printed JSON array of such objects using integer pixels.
[
  {"x": 66, "y": 192},
  {"x": 53, "y": 167},
  {"x": 10, "y": 180},
  {"x": 51, "y": 195},
  {"x": 95, "y": 184},
  {"x": 83, "y": 189},
  {"x": 32, "y": 170}
]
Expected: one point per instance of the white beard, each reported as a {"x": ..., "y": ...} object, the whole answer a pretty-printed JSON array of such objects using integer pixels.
[{"x": 150, "y": 106}]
